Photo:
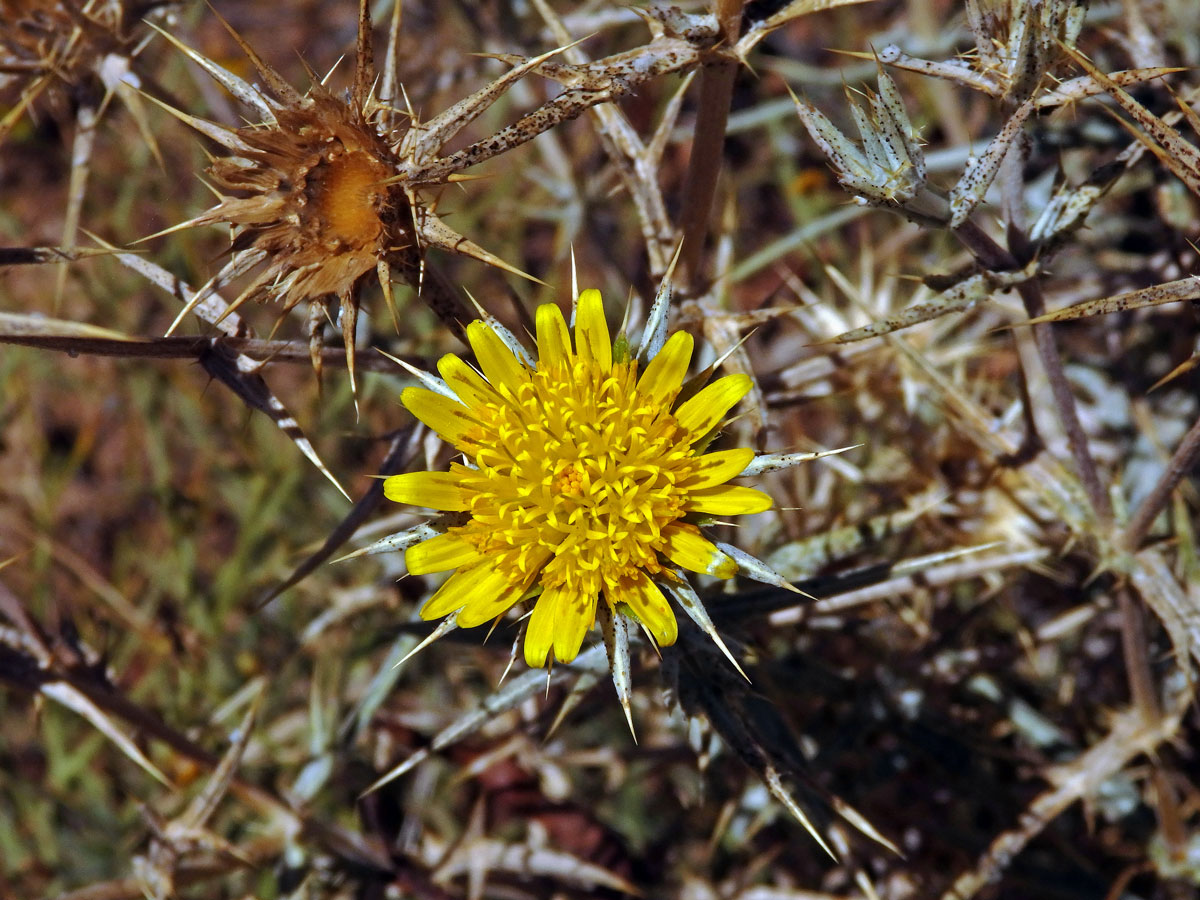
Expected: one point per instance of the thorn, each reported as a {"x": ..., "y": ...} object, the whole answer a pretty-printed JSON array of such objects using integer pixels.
[
  {"x": 574, "y": 277},
  {"x": 628, "y": 710},
  {"x": 197, "y": 298},
  {"x": 430, "y": 381},
  {"x": 775, "y": 786},
  {"x": 443, "y": 628},
  {"x": 437, "y": 233},
  {"x": 190, "y": 223},
  {"x": 384, "y": 272},
  {"x": 420, "y": 756},
  {"x": 281, "y": 88},
  {"x": 732, "y": 350},
  {"x": 225, "y": 137},
  {"x": 512, "y": 655},
  {"x": 349, "y": 327},
  {"x": 314, "y": 326},
  {"x": 231, "y": 308}
]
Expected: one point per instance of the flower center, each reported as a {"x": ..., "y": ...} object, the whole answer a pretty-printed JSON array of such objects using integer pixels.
[
  {"x": 578, "y": 472},
  {"x": 569, "y": 480},
  {"x": 345, "y": 192}
]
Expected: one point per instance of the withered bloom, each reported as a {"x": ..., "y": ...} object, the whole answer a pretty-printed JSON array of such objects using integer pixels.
[
  {"x": 314, "y": 199},
  {"x": 50, "y": 48},
  {"x": 310, "y": 203},
  {"x": 65, "y": 59},
  {"x": 322, "y": 190}
]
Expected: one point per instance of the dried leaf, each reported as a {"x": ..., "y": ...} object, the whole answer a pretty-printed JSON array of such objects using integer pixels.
[
  {"x": 1087, "y": 86},
  {"x": 971, "y": 187},
  {"x": 1175, "y": 152},
  {"x": 73, "y": 699},
  {"x": 26, "y": 326},
  {"x": 521, "y": 688},
  {"x": 1156, "y": 295}
]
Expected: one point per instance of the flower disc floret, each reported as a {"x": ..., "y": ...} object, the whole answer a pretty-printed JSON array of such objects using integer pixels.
[{"x": 583, "y": 484}]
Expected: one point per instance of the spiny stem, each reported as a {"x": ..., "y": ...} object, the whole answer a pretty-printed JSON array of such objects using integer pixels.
[
  {"x": 1035, "y": 305},
  {"x": 704, "y": 167},
  {"x": 1144, "y": 697},
  {"x": 708, "y": 139},
  {"x": 995, "y": 257},
  {"x": 265, "y": 351},
  {"x": 614, "y": 77},
  {"x": 1137, "y": 663},
  {"x": 1185, "y": 458}
]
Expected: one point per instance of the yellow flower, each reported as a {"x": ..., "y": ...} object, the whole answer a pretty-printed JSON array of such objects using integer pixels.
[{"x": 584, "y": 481}]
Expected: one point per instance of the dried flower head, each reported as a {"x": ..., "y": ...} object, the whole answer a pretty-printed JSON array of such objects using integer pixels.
[
  {"x": 585, "y": 485},
  {"x": 58, "y": 44},
  {"x": 316, "y": 196},
  {"x": 1019, "y": 45},
  {"x": 66, "y": 59},
  {"x": 308, "y": 199}
]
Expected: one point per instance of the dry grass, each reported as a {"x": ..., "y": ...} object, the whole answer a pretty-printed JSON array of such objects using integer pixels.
[{"x": 993, "y": 673}]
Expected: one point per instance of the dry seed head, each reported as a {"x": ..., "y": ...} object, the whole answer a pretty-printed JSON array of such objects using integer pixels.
[
  {"x": 324, "y": 191},
  {"x": 53, "y": 36},
  {"x": 307, "y": 195},
  {"x": 309, "y": 192},
  {"x": 50, "y": 48},
  {"x": 66, "y": 59}
]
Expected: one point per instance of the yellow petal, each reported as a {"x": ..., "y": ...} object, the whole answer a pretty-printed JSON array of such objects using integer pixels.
[
  {"x": 717, "y": 468},
  {"x": 576, "y": 615},
  {"x": 702, "y": 413},
  {"x": 449, "y": 419},
  {"x": 685, "y": 546},
  {"x": 665, "y": 373},
  {"x": 436, "y": 490},
  {"x": 728, "y": 500},
  {"x": 470, "y": 386},
  {"x": 479, "y": 593},
  {"x": 553, "y": 338},
  {"x": 499, "y": 365},
  {"x": 438, "y": 554},
  {"x": 450, "y": 596},
  {"x": 539, "y": 633},
  {"x": 495, "y": 598},
  {"x": 561, "y": 618},
  {"x": 592, "y": 340},
  {"x": 647, "y": 602}
]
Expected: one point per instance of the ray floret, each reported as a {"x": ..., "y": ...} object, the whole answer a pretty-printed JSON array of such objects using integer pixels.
[{"x": 586, "y": 487}]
